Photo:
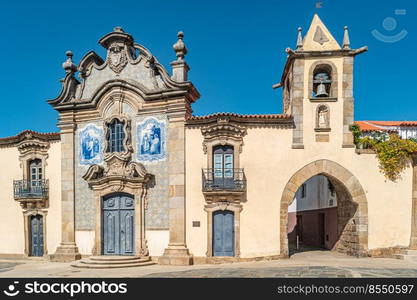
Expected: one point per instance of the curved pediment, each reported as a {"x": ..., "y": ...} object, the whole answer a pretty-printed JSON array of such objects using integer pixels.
[
  {"x": 90, "y": 60},
  {"x": 126, "y": 63}
]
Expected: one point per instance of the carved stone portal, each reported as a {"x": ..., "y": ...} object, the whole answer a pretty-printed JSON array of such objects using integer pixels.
[{"x": 120, "y": 175}]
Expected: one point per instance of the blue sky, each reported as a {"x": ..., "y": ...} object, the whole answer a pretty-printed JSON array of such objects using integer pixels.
[{"x": 236, "y": 51}]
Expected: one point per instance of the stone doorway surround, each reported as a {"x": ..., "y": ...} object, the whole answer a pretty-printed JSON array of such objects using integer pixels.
[
  {"x": 27, "y": 214},
  {"x": 352, "y": 206},
  {"x": 120, "y": 176},
  {"x": 213, "y": 207}
]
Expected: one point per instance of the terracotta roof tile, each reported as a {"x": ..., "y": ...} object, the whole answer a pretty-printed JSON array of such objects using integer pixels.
[
  {"x": 382, "y": 125},
  {"x": 240, "y": 116}
]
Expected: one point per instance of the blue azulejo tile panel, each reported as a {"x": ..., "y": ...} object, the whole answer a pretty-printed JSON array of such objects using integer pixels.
[
  {"x": 90, "y": 140},
  {"x": 151, "y": 139}
]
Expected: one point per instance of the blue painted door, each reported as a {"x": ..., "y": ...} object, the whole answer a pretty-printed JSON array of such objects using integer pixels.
[
  {"x": 118, "y": 225},
  {"x": 223, "y": 233},
  {"x": 36, "y": 240}
]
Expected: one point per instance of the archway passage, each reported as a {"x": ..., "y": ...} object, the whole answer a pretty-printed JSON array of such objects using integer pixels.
[
  {"x": 313, "y": 216},
  {"x": 351, "y": 213}
]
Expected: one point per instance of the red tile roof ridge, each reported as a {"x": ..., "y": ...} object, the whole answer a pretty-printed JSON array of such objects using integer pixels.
[{"x": 246, "y": 116}]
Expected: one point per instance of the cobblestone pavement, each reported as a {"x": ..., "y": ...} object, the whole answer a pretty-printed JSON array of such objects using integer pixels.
[
  {"x": 305, "y": 264},
  {"x": 315, "y": 271},
  {"x": 4, "y": 266}
]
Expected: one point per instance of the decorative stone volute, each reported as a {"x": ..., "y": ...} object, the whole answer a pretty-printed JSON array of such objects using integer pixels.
[{"x": 117, "y": 169}]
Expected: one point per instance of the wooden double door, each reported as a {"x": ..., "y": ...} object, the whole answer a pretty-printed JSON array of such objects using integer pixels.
[
  {"x": 118, "y": 225},
  {"x": 223, "y": 233},
  {"x": 36, "y": 235}
]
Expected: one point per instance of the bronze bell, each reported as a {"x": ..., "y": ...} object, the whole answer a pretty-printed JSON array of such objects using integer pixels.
[{"x": 321, "y": 90}]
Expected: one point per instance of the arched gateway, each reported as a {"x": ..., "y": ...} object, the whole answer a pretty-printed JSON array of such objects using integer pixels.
[{"x": 352, "y": 209}]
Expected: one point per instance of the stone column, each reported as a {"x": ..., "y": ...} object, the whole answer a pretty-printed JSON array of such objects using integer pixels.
[
  {"x": 348, "y": 102},
  {"x": 177, "y": 252},
  {"x": 297, "y": 103},
  {"x": 67, "y": 250},
  {"x": 413, "y": 239}
]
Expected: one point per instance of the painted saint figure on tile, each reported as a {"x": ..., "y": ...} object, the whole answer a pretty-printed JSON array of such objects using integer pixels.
[
  {"x": 90, "y": 143},
  {"x": 151, "y": 140}
]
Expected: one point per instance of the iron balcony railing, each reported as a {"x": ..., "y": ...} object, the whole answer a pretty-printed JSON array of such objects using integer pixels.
[
  {"x": 223, "y": 180},
  {"x": 31, "y": 188}
]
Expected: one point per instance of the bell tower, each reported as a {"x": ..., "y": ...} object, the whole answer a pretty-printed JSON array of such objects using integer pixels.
[{"x": 317, "y": 87}]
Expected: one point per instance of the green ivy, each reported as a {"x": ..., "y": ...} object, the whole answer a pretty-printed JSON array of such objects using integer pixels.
[
  {"x": 393, "y": 153},
  {"x": 356, "y": 131}
]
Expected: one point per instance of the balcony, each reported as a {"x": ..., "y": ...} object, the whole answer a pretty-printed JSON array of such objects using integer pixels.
[
  {"x": 223, "y": 184},
  {"x": 27, "y": 190}
]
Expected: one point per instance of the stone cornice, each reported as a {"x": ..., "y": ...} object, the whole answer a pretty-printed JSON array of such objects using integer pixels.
[
  {"x": 299, "y": 54},
  {"x": 280, "y": 120},
  {"x": 29, "y": 137},
  {"x": 65, "y": 102}
]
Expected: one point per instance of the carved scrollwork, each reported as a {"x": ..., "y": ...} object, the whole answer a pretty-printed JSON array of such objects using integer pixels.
[
  {"x": 94, "y": 172},
  {"x": 127, "y": 141},
  {"x": 222, "y": 132},
  {"x": 116, "y": 167}
]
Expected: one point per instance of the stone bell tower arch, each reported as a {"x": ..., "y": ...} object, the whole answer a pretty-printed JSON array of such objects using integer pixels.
[{"x": 317, "y": 87}]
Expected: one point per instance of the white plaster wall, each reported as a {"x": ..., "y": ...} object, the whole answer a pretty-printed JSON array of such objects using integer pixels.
[
  {"x": 85, "y": 241},
  {"x": 11, "y": 224},
  {"x": 317, "y": 196},
  {"x": 157, "y": 241},
  {"x": 407, "y": 132}
]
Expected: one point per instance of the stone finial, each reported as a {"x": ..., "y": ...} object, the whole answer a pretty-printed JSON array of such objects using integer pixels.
[
  {"x": 179, "y": 46},
  {"x": 68, "y": 65},
  {"x": 346, "y": 40},
  {"x": 118, "y": 29},
  {"x": 299, "y": 39}
]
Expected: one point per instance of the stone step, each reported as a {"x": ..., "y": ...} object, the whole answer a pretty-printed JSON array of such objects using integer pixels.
[
  {"x": 406, "y": 257},
  {"x": 103, "y": 262},
  {"x": 115, "y": 258},
  {"x": 111, "y": 266},
  {"x": 113, "y": 262},
  {"x": 409, "y": 252}
]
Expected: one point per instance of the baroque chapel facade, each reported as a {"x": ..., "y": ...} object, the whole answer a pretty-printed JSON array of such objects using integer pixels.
[{"x": 134, "y": 174}]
